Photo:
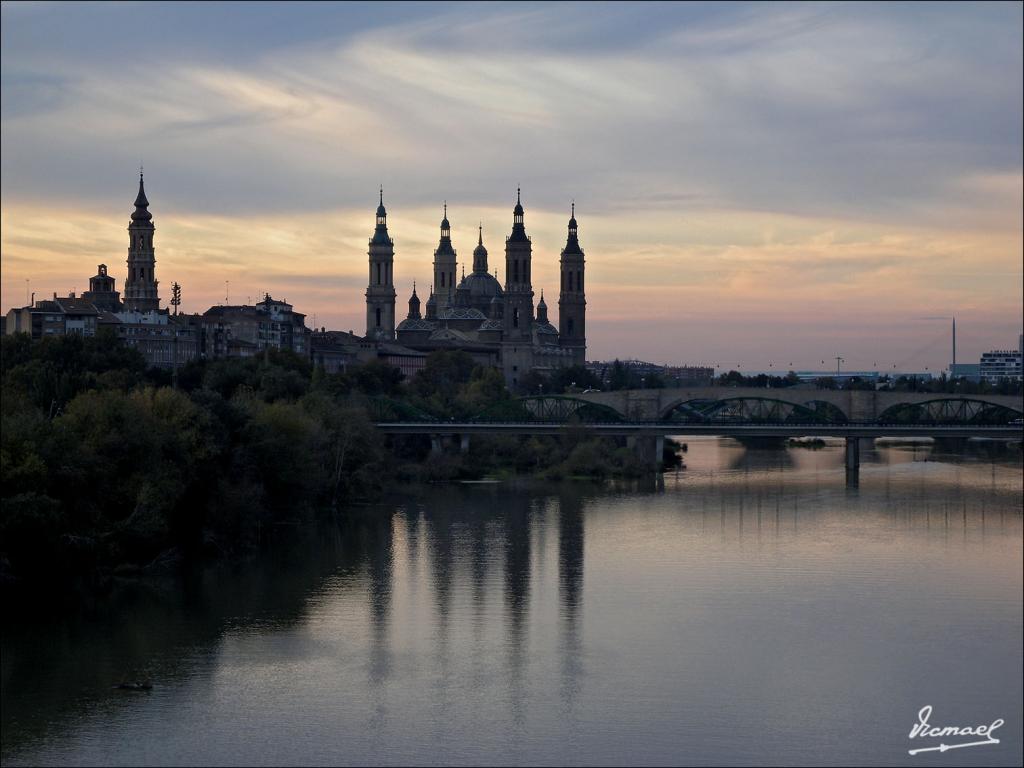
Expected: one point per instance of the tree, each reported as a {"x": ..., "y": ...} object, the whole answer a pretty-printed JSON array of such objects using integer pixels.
[
  {"x": 442, "y": 376},
  {"x": 619, "y": 377},
  {"x": 574, "y": 376}
]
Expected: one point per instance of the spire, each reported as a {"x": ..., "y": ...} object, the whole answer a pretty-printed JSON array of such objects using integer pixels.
[
  {"x": 518, "y": 227},
  {"x": 446, "y": 228},
  {"x": 380, "y": 234},
  {"x": 444, "y": 245},
  {"x": 572, "y": 244},
  {"x": 414, "y": 304},
  {"x": 141, "y": 203},
  {"x": 480, "y": 254}
]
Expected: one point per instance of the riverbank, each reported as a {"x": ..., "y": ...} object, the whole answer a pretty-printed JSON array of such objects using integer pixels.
[{"x": 112, "y": 470}]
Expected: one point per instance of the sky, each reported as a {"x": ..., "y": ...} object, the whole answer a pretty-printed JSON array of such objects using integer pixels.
[{"x": 758, "y": 186}]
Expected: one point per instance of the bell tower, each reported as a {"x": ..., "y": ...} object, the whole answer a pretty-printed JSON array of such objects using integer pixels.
[
  {"x": 572, "y": 301},
  {"x": 140, "y": 286},
  {"x": 380, "y": 292},
  {"x": 444, "y": 265},
  {"x": 518, "y": 286}
]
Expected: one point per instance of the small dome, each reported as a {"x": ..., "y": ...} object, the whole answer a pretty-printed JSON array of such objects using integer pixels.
[
  {"x": 543, "y": 304},
  {"x": 481, "y": 284}
]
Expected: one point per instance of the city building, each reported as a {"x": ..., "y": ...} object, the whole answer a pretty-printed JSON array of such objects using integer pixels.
[
  {"x": 497, "y": 323},
  {"x": 244, "y": 330},
  {"x": 165, "y": 340},
  {"x": 1000, "y": 364},
  {"x": 640, "y": 371},
  {"x": 56, "y": 317},
  {"x": 969, "y": 371},
  {"x": 335, "y": 351}
]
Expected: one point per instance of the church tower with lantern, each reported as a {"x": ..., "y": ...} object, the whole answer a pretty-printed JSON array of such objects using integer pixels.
[
  {"x": 380, "y": 292},
  {"x": 572, "y": 300},
  {"x": 140, "y": 286}
]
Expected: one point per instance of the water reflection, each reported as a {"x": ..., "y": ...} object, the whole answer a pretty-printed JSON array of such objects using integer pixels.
[
  {"x": 570, "y": 583},
  {"x": 713, "y": 619}
]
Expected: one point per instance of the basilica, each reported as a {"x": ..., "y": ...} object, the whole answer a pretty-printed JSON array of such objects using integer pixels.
[{"x": 497, "y": 324}]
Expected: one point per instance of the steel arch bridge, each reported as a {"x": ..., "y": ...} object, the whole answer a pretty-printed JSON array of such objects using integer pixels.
[
  {"x": 555, "y": 409},
  {"x": 754, "y": 410},
  {"x": 949, "y": 411}
]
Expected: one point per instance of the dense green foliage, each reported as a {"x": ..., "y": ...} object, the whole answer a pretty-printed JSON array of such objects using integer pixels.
[
  {"x": 101, "y": 467},
  {"x": 105, "y": 465}
]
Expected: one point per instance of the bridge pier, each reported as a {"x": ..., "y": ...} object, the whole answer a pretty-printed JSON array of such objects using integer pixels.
[
  {"x": 464, "y": 443},
  {"x": 852, "y": 460},
  {"x": 435, "y": 444},
  {"x": 649, "y": 449}
]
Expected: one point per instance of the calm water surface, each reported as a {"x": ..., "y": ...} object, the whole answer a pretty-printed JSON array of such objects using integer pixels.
[{"x": 754, "y": 610}]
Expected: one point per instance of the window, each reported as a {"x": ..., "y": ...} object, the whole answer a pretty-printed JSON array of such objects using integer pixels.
[
  {"x": 378, "y": 283},
  {"x": 378, "y": 317},
  {"x": 570, "y": 281},
  {"x": 569, "y": 327},
  {"x": 442, "y": 279},
  {"x": 515, "y": 318}
]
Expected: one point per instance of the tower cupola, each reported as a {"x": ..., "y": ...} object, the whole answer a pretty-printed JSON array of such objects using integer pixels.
[
  {"x": 480, "y": 254},
  {"x": 414, "y": 304}
]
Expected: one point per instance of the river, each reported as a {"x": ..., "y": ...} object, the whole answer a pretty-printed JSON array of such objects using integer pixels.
[{"x": 754, "y": 610}]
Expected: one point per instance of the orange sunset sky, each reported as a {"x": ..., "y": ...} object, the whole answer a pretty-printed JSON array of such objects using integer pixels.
[{"x": 755, "y": 185}]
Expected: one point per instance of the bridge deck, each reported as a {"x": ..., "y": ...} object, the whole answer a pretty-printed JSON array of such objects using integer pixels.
[{"x": 864, "y": 429}]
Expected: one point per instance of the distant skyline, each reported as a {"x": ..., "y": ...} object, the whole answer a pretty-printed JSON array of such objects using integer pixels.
[{"x": 754, "y": 184}]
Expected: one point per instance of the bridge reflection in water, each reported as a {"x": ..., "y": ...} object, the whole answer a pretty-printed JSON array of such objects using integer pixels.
[
  {"x": 725, "y": 412},
  {"x": 564, "y": 623}
]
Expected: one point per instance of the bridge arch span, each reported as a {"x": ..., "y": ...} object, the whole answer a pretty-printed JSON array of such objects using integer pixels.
[
  {"x": 949, "y": 410},
  {"x": 752, "y": 409},
  {"x": 559, "y": 409}
]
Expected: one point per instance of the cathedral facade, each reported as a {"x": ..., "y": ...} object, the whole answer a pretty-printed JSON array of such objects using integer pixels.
[{"x": 497, "y": 323}]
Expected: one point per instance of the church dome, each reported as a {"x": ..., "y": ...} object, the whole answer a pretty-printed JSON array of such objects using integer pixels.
[{"x": 481, "y": 285}]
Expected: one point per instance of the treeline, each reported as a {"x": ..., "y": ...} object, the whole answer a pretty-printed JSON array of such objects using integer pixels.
[
  {"x": 102, "y": 464},
  {"x": 107, "y": 465},
  {"x": 939, "y": 384}
]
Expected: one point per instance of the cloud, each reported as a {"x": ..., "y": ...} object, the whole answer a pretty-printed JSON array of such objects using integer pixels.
[{"x": 841, "y": 158}]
